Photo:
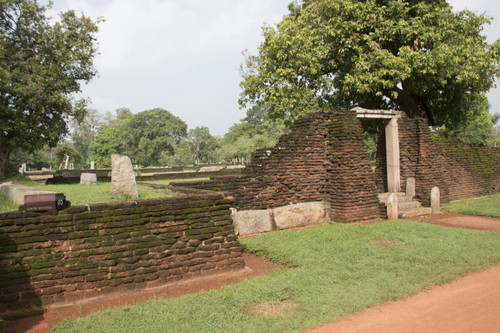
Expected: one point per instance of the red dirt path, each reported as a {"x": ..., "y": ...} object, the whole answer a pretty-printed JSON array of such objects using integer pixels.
[{"x": 469, "y": 304}]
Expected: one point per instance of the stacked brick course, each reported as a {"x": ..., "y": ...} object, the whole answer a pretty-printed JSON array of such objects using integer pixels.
[
  {"x": 87, "y": 251},
  {"x": 459, "y": 170}
]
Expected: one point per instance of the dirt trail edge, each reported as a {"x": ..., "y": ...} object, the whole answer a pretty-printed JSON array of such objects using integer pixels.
[{"x": 469, "y": 304}]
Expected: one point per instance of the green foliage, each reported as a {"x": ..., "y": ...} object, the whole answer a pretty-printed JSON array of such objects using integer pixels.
[
  {"x": 151, "y": 134},
  {"x": 42, "y": 64},
  {"x": 476, "y": 127},
  {"x": 63, "y": 151},
  {"x": 41, "y": 158},
  {"x": 146, "y": 137},
  {"x": 84, "y": 133},
  {"x": 338, "y": 270},
  {"x": 254, "y": 131},
  {"x": 418, "y": 56},
  {"x": 198, "y": 147},
  {"x": 486, "y": 206}
]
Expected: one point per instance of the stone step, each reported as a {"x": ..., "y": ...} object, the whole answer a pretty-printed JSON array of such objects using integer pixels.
[
  {"x": 414, "y": 212},
  {"x": 382, "y": 197},
  {"x": 406, "y": 205}
]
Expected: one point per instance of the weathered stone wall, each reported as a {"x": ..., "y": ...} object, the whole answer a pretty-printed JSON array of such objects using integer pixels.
[
  {"x": 323, "y": 159},
  {"x": 87, "y": 251},
  {"x": 459, "y": 170}
]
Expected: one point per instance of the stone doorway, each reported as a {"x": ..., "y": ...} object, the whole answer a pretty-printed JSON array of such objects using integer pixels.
[{"x": 391, "y": 140}]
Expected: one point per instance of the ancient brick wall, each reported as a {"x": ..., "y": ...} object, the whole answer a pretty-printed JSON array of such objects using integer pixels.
[
  {"x": 323, "y": 158},
  {"x": 459, "y": 170},
  {"x": 87, "y": 251},
  {"x": 226, "y": 183},
  {"x": 351, "y": 182}
]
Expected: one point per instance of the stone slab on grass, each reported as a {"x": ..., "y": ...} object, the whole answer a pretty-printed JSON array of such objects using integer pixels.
[
  {"x": 301, "y": 214},
  {"x": 16, "y": 192}
]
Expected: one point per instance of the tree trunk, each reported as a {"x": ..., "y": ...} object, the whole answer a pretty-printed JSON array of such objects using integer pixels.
[
  {"x": 414, "y": 106},
  {"x": 4, "y": 161}
]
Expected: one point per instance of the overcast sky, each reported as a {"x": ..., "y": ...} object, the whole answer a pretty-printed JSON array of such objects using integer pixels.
[{"x": 184, "y": 55}]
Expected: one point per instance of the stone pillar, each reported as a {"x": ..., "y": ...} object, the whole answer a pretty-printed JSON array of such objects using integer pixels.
[
  {"x": 392, "y": 207},
  {"x": 392, "y": 152},
  {"x": 435, "y": 200},
  {"x": 410, "y": 187},
  {"x": 92, "y": 165}
]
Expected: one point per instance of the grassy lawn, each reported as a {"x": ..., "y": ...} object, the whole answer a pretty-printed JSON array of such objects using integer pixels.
[
  {"x": 486, "y": 206},
  {"x": 337, "y": 269},
  {"x": 85, "y": 195}
]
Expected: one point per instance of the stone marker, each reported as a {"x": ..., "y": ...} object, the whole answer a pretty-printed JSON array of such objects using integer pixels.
[
  {"x": 72, "y": 166},
  {"x": 410, "y": 187},
  {"x": 88, "y": 178},
  {"x": 122, "y": 177},
  {"x": 392, "y": 207},
  {"x": 92, "y": 165},
  {"x": 435, "y": 200}
]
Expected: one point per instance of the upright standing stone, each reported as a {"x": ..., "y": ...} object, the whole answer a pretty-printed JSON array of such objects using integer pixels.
[
  {"x": 88, "y": 179},
  {"x": 22, "y": 169},
  {"x": 392, "y": 207},
  {"x": 122, "y": 177},
  {"x": 435, "y": 200},
  {"x": 410, "y": 187},
  {"x": 392, "y": 154},
  {"x": 71, "y": 166},
  {"x": 92, "y": 165}
]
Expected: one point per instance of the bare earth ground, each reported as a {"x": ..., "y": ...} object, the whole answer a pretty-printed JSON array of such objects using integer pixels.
[{"x": 469, "y": 304}]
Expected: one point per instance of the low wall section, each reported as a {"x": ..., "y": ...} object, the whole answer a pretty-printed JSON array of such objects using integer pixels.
[{"x": 87, "y": 251}]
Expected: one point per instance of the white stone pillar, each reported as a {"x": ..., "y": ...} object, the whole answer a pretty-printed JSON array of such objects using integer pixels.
[
  {"x": 92, "y": 165},
  {"x": 435, "y": 200},
  {"x": 392, "y": 207},
  {"x": 392, "y": 154}
]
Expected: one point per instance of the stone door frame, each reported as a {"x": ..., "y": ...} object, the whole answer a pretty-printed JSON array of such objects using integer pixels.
[{"x": 391, "y": 143}]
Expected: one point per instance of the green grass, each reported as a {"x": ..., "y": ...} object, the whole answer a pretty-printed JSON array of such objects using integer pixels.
[
  {"x": 337, "y": 270},
  {"x": 84, "y": 195},
  {"x": 6, "y": 205},
  {"x": 486, "y": 206}
]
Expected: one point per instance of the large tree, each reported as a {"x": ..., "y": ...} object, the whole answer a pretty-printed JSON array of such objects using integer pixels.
[
  {"x": 416, "y": 55},
  {"x": 151, "y": 134},
  {"x": 42, "y": 64},
  {"x": 146, "y": 137}
]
